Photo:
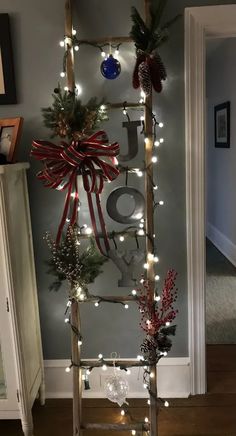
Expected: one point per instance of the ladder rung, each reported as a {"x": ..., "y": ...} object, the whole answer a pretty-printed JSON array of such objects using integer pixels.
[
  {"x": 91, "y": 363},
  {"x": 110, "y": 299},
  {"x": 115, "y": 39},
  {"x": 116, "y": 427}
]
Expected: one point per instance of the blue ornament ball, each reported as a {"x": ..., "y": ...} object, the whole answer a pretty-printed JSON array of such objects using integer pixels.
[{"x": 110, "y": 68}]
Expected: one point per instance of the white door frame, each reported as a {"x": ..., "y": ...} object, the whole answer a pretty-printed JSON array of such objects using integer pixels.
[{"x": 200, "y": 23}]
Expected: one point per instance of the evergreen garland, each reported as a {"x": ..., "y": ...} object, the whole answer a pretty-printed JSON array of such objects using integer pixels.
[
  {"x": 149, "y": 69},
  {"x": 68, "y": 117},
  {"x": 148, "y": 38},
  {"x": 69, "y": 262}
]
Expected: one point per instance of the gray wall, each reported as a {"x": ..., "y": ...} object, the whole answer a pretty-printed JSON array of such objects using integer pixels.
[
  {"x": 221, "y": 163},
  {"x": 37, "y": 28}
]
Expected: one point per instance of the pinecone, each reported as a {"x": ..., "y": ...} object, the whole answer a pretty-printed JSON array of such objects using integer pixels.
[
  {"x": 162, "y": 69},
  {"x": 157, "y": 72},
  {"x": 139, "y": 60},
  {"x": 62, "y": 127},
  {"x": 145, "y": 78}
]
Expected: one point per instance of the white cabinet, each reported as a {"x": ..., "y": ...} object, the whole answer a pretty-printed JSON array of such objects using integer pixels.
[{"x": 21, "y": 361}]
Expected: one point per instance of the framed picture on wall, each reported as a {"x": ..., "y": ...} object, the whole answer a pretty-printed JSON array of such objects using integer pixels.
[
  {"x": 7, "y": 78},
  {"x": 10, "y": 132},
  {"x": 222, "y": 125}
]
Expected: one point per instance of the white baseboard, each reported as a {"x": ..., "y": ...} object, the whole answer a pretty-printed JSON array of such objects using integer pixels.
[
  {"x": 227, "y": 247},
  {"x": 173, "y": 380}
]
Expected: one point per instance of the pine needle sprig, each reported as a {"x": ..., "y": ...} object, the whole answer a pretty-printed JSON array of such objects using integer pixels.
[
  {"x": 69, "y": 262},
  {"x": 148, "y": 38},
  {"x": 68, "y": 117}
]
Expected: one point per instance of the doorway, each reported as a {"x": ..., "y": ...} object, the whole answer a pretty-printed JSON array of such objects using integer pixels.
[
  {"x": 201, "y": 23},
  {"x": 220, "y": 215}
]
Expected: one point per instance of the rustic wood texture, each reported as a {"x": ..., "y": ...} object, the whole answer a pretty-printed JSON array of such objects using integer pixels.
[
  {"x": 109, "y": 39},
  {"x": 70, "y": 57},
  {"x": 128, "y": 363},
  {"x": 150, "y": 229},
  {"x": 77, "y": 376}
]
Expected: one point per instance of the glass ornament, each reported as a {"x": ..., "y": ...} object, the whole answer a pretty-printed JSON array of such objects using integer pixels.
[
  {"x": 116, "y": 389},
  {"x": 110, "y": 68}
]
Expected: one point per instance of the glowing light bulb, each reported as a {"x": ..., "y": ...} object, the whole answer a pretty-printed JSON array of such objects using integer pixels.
[
  {"x": 88, "y": 231},
  {"x": 141, "y": 232},
  {"x": 139, "y": 173},
  {"x": 161, "y": 203},
  {"x": 134, "y": 292},
  {"x": 146, "y": 419},
  {"x": 104, "y": 367},
  {"x": 79, "y": 342},
  {"x": 69, "y": 303},
  {"x": 62, "y": 43},
  {"x": 100, "y": 356},
  {"x": 66, "y": 88},
  {"x": 67, "y": 369},
  {"x": 142, "y": 118},
  {"x": 139, "y": 216},
  {"x": 125, "y": 112},
  {"x": 166, "y": 404},
  {"x": 149, "y": 402},
  {"x": 157, "y": 298},
  {"x": 126, "y": 306},
  {"x": 88, "y": 372},
  {"x": 167, "y": 324},
  {"x": 156, "y": 259},
  {"x": 146, "y": 266},
  {"x": 133, "y": 432},
  {"x": 146, "y": 140},
  {"x": 156, "y": 143},
  {"x": 145, "y": 385},
  {"x": 122, "y": 238},
  {"x": 103, "y": 54},
  {"x": 161, "y": 125},
  {"x": 76, "y": 47},
  {"x": 154, "y": 159},
  {"x": 122, "y": 412},
  {"x": 103, "y": 107},
  {"x": 157, "y": 278},
  {"x": 161, "y": 140},
  {"x": 165, "y": 353},
  {"x": 67, "y": 320},
  {"x": 62, "y": 74},
  {"x": 78, "y": 89},
  {"x": 150, "y": 257},
  {"x": 140, "y": 357},
  {"x": 81, "y": 297},
  {"x": 141, "y": 225},
  {"x": 142, "y": 281},
  {"x": 142, "y": 93},
  {"x": 152, "y": 375},
  {"x": 96, "y": 304}
]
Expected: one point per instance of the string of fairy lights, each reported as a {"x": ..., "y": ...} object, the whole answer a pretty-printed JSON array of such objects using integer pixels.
[{"x": 134, "y": 231}]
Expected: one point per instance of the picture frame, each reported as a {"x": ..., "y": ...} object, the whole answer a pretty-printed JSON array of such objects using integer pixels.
[
  {"x": 7, "y": 76},
  {"x": 222, "y": 125},
  {"x": 10, "y": 133}
]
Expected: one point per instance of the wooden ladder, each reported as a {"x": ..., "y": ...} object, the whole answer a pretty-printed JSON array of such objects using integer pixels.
[{"x": 78, "y": 425}]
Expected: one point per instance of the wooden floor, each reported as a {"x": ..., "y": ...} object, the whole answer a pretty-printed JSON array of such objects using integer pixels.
[{"x": 207, "y": 415}]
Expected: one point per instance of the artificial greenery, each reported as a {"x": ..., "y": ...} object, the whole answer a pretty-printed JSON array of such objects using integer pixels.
[
  {"x": 149, "y": 38},
  {"x": 72, "y": 263},
  {"x": 68, "y": 117}
]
